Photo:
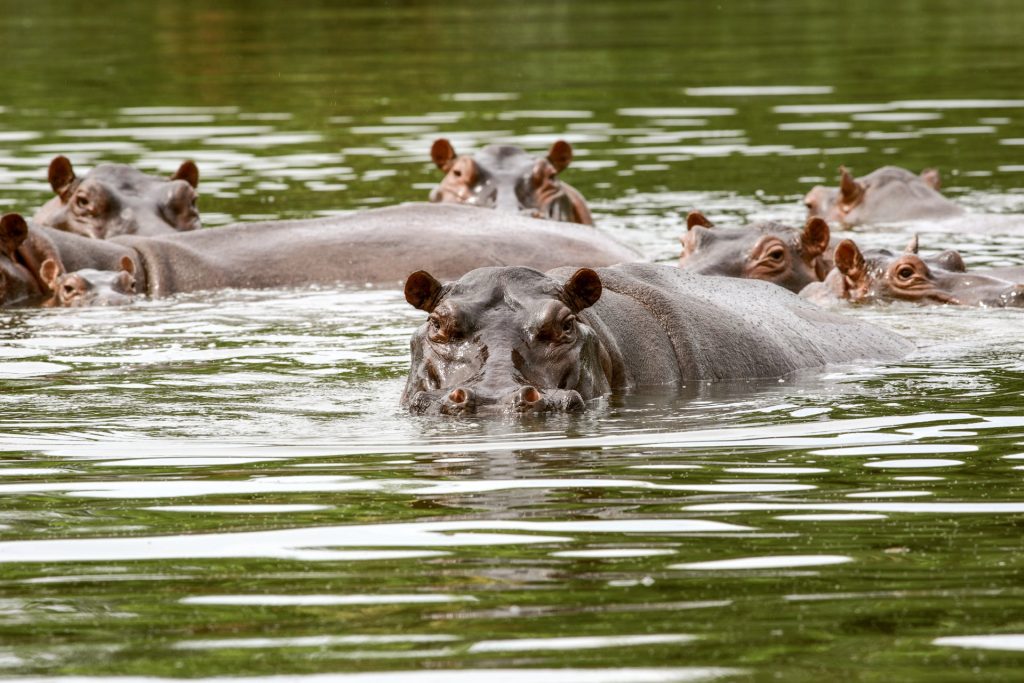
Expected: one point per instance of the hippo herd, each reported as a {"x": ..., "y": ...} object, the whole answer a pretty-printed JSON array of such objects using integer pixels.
[{"x": 530, "y": 308}]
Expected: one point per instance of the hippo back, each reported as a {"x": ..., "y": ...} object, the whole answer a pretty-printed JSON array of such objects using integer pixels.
[
  {"x": 664, "y": 326},
  {"x": 377, "y": 247}
]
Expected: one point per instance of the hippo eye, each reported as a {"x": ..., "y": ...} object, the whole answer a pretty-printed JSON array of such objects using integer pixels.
[
  {"x": 569, "y": 325},
  {"x": 777, "y": 254},
  {"x": 905, "y": 273},
  {"x": 69, "y": 289},
  {"x": 81, "y": 201},
  {"x": 457, "y": 173}
]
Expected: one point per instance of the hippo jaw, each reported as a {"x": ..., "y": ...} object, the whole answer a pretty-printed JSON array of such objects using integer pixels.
[
  {"x": 115, "y": 199},
  {"x": 504, "y": 341},
  {"x": 507, "y": 178}
]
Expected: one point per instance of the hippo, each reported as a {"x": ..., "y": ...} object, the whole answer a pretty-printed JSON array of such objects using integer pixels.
[
  {"x": 517, "y": 340},
  {"x": 879, "y": 275},
  {"x": 771, "y": 251},
  {"x": 377, "y": 247},
  {"x": 117, "y": 199},
  {"x": 507, "y": 178},
  {"x": 886, "y": 195},
  {"x": 32, "y": 271}
]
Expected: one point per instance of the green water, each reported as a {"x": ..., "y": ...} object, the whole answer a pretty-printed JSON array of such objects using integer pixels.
[{"x": 224, "y": 484}]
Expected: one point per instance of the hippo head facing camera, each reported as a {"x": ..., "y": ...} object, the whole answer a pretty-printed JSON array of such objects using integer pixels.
[
  {"x": 117, "y": 199},
  {"x": 508, "y": 178}
]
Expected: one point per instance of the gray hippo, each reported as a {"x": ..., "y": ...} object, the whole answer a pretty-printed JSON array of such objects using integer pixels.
[
  {"x": 771, "y": 251},
  {"x": 117, "y": 199},
  {"x": 878, "y": 275},
  {"x": 887, "y": 195},
  {"x": 32, "y": 271},
  {"x": 508, "y": 178},
  {"x": 376, "y": 247},
  {"x": 516, "y": 340}
]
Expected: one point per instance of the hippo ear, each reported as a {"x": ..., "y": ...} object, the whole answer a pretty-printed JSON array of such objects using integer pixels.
[
  {"x": 127, "y": 265},
  {"x": 560, "y": 155},
  {"x": 49, "y": 272},
  {"x": 61, "y": 176},
  {"x": 582, "y": 290},
  {"x": 849, "y": 260},
  {"x": 932, "y": 177},
  {"x": 188, "y": 172},
  {"x": 815, "y": 237},
  {"x": 443, "y": 154},
  {"x": 912, "y": 246},
  {"x": 695, "y": 218},
  {"x": 850, "y": 191},
  {"x": 951, "y": 260},
  {"x": 422, "y": 290},
  {"x": 13, "y": 231}
]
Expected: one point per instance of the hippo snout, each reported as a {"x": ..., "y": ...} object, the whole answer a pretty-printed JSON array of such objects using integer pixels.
[{"x": 467, "y": 401}]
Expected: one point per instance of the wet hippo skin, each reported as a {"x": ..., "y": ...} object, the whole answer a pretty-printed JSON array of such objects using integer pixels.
[
  {"x": 378, "y": 247},
  {"x": 513, "y": 340}
]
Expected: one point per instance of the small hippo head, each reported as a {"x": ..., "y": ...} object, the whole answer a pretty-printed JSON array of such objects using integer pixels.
[
  {"x": 17, "y": 283},
  {"x": 510, "y": 179},
  {"x": 116, "y": 199},
  {"x": 888, "y": 194},
  {"x": 505, "y": 340},
  {"x": 88, "y": 287},
  {"x": 789, "y": 257},
  {"x": 879, "y": 275}
]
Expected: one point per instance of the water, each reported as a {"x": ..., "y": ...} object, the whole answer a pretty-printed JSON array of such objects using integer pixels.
[{"x": 224, "y": 485}]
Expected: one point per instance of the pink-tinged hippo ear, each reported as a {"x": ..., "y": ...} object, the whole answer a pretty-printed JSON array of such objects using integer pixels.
[
  {"x": 127, "y": 265},
  {"x": 850, "y": 191},
  {"x": 849, "y": 260},
  {"x": 61, "y": 176},
  {"x": 443, "y": 154},
  {"x": 951, "y": 260},
  {"x": 188, "y": 172},
  {"x": 695, "y": 218},
  {"x": 582, "y": 290},
  {"x": 912, "y": 246},
  {"x": 932, "y": 177},
  {"x": 49, "y": 272},
  {"x": 560, "y": 155},
  {"x": 422, "y": 290},
  {"x": 13, "y": 231},
  {"x": 815, "y": 237}
]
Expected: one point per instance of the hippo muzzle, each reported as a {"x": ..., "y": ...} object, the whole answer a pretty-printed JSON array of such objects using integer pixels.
[{"x": 521, "y": 401}]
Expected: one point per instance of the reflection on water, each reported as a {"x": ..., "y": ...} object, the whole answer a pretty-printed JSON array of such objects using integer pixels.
[{"x": 224, "y": 485}]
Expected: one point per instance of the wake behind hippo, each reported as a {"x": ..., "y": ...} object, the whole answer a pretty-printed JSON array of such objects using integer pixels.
[{"x": 516, "y": 340}]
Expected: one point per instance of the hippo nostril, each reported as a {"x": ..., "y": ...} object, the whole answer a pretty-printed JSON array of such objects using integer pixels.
[
  {"x": 529, "y": 395},
  {"x": 459, "y": 395}
]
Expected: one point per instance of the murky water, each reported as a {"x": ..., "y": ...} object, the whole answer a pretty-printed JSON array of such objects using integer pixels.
[{"x": 224, "y": 485}]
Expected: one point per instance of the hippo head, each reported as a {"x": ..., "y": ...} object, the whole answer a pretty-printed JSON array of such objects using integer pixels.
[
  {"x": 888, "y": 194},
  {"x": 88, "y": 287},
  {"x": 789, "y": 257},
  {"x": 879, "y": 275},
  {"x": 116, "y": 199},
  {"x": 17, "y": 283},
  {"x": 510, "y": 179},
  {"x": 505, "y": 340}
]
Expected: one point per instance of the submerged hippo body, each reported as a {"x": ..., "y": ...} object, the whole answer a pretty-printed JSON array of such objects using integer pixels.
[
  {"x": 117, "y": 199},
  {"x": 878, "y": 275},
  {"x": 518, "y": 340},
  {"x": 510, "y": 179},
  {"x": 889, "y": 194},
  {"x": 377, "y": 247},
  {"x": 770, "y": 251}
]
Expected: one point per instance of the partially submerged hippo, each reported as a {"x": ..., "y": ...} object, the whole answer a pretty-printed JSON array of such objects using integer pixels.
[
  {"x": 771, "y": 251},
  {"x": 887, "y": 195},
  {"x": 376, "y": 247},
  {"x": 508, "y": 178},
  {"x": 117, "y": 199},
  {"x": 878, "y": 275},
  {"x": 32, "y": 271},
  {"x": 515, "y": 339}
]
